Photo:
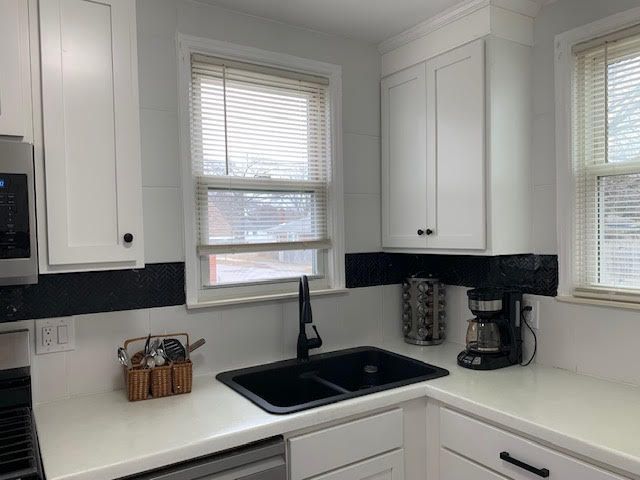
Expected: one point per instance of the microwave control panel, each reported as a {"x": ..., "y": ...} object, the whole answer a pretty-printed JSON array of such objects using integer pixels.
[{"x": 14, "y": 216}]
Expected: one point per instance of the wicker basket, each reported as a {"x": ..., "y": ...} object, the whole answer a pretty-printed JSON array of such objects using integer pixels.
[
  {"x": 144, "y": 383},
  {"x": 137, "y": 381},
  {"x": 182, "y": 377}
]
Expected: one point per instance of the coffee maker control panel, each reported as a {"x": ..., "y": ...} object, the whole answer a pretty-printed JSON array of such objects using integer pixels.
[{"x": 14, "y": 216}]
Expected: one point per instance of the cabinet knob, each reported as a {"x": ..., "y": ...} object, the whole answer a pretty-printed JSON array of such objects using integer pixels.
[
  {"x": 429, "y": 231},
  {"x": 420, "y": 232},
  {"x": 128, "y": 237}
]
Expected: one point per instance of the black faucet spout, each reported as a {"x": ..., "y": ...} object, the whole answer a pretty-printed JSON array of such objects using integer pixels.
[{"x": 304, "y": 303}]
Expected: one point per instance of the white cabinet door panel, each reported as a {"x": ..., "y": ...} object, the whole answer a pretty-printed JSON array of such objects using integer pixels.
[
  {"x": 91, "y": 131},
  {"x": 15, "y": 78},
  {"x": 455, "y": 467},
  {"x": 460, "y": 433},
  {"x": 317, "y": 452},
  {"x": 456, "y": 149},
  {"x": 389, "y": 466},
  {"x": 404, "y": 153}
]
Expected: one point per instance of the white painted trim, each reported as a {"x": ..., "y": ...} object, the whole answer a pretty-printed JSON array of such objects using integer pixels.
[
  {"x": 563, "y": 94},
  {"x": 528, "y": 8},
  {"x": 186, "y": 45},
  {"x": 264, "y": 298},
  {"x": 598, "y": 302}
]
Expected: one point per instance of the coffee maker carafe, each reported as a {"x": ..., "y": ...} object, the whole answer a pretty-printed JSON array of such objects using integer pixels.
[{"x": 494, "y": 338}]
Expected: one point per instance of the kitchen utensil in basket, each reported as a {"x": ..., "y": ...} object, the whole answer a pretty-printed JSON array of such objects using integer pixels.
[{"x": 173, "y": 378}]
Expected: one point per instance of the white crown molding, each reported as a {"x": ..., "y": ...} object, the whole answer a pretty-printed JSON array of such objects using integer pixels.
[{"x": 528, "y": 8}]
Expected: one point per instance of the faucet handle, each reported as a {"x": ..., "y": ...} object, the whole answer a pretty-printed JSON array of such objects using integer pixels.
[{"x": 315, "y": 342}]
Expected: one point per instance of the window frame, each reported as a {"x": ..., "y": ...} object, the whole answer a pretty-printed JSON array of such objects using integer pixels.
[
  {"x": 333, "y": 280},
  {"x": 565, "y": 183}
]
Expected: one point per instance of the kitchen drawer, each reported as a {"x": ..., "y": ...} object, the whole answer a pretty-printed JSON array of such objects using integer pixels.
[
  {"x": 483, "y": 443},
  {"x": 389, "y": 466},
  {"x": 318, "y": 452},
  {"x": 455, "y": 467}
]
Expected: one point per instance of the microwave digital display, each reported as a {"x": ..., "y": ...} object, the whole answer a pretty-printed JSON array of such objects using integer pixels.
[{"x": 14, "y": 216}]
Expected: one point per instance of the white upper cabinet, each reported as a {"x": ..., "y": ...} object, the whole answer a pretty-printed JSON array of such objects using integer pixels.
[
  {"x": 456, "y": 215},
  {"x": 404, "y": 150},
  {"x": 456, "y": 130},
  {"x": 91, "y": 134},
  {"x": 15, "y": 73}
]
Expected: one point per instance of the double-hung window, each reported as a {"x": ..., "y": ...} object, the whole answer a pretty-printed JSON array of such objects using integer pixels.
[
  {"x": 606, "y": 166},
  {"x": 262, "y": 178}
]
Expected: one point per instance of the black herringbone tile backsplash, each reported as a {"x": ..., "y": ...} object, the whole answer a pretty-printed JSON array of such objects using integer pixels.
[
  {"x": 534, "y": 274},
  {"x": 162, "y": 284},
  {"x": 64, "y": 294}
]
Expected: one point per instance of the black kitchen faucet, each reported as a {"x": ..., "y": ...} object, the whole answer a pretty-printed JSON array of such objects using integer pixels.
[{"x": 304, "y": 301}]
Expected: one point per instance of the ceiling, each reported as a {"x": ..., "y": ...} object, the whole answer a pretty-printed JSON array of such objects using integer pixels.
[{"x": 369, "y": 20}]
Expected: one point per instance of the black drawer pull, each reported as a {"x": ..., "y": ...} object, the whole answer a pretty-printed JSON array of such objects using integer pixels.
[{"x": 541, "y": 472}]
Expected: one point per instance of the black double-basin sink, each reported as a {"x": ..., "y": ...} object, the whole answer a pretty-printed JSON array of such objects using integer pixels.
[{"x": 293, "y": 385}]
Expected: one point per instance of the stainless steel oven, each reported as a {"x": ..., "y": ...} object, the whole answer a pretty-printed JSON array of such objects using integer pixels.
[{"x": 18, "y": 250}]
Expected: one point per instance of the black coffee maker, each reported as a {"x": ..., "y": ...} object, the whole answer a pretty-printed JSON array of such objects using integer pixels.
[{"x": 494, "y": 336}]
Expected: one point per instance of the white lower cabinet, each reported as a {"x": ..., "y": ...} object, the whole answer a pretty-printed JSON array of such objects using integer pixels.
[
  {"x": 367, "y": 448},
  {"x": 470, "y": 448},
  {"x": 389, "y": 466},
  {"x": 455, "y": 467}
]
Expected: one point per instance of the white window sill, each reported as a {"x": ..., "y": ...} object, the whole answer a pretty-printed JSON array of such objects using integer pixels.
[
  {"x": 263, "y": 298},
  {"x": 598, "y": 302}
]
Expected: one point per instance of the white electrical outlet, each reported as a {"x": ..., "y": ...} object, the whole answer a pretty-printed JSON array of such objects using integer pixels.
[
  {"x": 532, "y": 317},
  {"x": 55, "y": 335}
]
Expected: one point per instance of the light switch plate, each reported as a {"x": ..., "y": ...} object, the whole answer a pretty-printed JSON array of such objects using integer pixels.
[{"x": 55, "y": 335}]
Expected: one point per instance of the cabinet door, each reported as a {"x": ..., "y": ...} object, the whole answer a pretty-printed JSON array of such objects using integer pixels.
[
  {"x": 15, "y": 80},
  {"x": 404, "y": 158},
  {"x": 389, "y": 466},
  {"x": 456, "y": 149},
  {"x": 454, "y": 467},
  {"x": 91, "y": 132}
]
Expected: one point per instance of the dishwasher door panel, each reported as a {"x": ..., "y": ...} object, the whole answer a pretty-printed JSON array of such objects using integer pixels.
[{"x": 261, "y": 461}]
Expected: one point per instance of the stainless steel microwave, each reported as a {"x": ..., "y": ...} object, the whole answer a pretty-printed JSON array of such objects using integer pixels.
[{"x": 18, "y": 250}]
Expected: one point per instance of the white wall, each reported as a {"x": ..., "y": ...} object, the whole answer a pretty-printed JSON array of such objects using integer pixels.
[
  {"x": 158, "y": 22},
  {"x": 591, "y": 340},
  {"x": 236, "y": 337},
  {"x": 553, "y": 19},
  {"x": 595, "y": 341},
  {"x": 243, "y": 335}
]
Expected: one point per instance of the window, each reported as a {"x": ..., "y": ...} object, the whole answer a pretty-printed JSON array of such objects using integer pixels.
[
  {"x": 264, "y": 201},
  {"x": 606, "y": 165}
]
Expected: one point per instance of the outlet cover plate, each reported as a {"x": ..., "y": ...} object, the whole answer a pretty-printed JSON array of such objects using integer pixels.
[
  {"x": 533, "y": 317},
  {"x": 55, "y": 335}
]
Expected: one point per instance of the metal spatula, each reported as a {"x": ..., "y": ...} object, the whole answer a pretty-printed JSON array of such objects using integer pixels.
[{"x": 174, "y": 349}]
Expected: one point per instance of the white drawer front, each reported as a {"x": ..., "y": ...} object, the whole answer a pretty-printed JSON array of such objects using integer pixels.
[
  {"x": 455, "y": 467},
  {"x": 319, "y": 452},
  {"x": 389, "y": 466},
  {"x": 484, "y": 443}
]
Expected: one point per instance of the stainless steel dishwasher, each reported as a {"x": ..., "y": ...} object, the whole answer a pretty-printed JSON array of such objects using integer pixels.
[{"x": 258, "y": 461}]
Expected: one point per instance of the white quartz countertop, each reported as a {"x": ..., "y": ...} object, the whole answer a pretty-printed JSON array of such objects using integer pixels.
[{"x": 104, "y": 436}]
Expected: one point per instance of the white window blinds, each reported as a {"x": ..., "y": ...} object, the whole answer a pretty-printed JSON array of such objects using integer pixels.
[
  {"x": 606, "y": 159},
  {"x": 261, "y": 156}
]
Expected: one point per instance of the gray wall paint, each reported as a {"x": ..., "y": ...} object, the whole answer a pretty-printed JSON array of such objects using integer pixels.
[
  {"x": 158, "y": 22},
  {"x": 555, "y": 18}
]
